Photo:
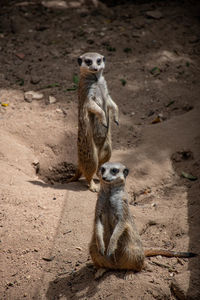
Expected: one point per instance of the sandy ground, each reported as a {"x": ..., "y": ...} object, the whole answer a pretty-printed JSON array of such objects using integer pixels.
[{"x": 153, "y": 72}]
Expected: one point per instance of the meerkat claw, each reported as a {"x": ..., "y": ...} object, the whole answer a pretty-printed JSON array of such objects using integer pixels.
[{"x": 116, "y": 122}]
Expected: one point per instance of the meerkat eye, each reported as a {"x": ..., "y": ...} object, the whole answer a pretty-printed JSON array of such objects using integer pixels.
[
  {"x": 98, "y": 61},
  {"x": 126, "y": 171},
  {"x": 88, "y": 62},
  {"x": 114, "y": 171},
  {"x": 102, "y": 170}
]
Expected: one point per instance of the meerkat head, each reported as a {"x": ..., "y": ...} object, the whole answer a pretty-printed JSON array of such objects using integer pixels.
[
  {"x": 92, "y": 61},
  {"x": 113, "y": 173}
]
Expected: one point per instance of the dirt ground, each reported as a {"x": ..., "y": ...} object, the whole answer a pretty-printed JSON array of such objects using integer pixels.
[{"x": 152, "y": 51}]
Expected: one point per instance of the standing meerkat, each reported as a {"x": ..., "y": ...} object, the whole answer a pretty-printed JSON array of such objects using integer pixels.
[
  {"x": 115, "y": 242},
  {"x": 95, "y": 107}
]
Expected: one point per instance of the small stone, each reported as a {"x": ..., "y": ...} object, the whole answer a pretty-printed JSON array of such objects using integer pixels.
[
  {"x": 55, "y": 4},
  {"x": 75, "y": 4},
  {"x": 10, "y": 283},
  {"x": 154, "y": 14},
  {"x": 35, "y": 162},
  {"x": 28, "y": 97},
  {"x": 31, "y": 95},
  {"x": 58, "y": 110},
  {"x": 20, "y": 55},
  {"x": 55, "y": 53},
  {"x": 79, "y": 248},
  {"x": 35, "y": 79},
  {"x": 52, "y": 100},
  {"x": 36, "y": 165}
]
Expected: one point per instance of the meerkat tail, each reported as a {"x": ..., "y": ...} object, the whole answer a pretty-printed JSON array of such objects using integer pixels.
[
  {"x": 76, "y": 176},
  {"x": 168, "y": 253}
]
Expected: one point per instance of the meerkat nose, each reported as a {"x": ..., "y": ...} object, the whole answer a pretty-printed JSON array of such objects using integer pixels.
[
  {"x": 104, "y": 178},
  {"x": 95, "y": 69}
]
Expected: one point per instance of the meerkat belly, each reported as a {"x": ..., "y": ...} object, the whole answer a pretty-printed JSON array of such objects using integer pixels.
[
  {"x": 100, "y": 132},
  {"x": 109, "y": 222}
]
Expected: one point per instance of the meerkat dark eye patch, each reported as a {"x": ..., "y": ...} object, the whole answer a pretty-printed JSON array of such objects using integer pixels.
[
  {"x": 98, "y": 61},
  {"x": 79, "y": 61},
  {"x": 88, "y": 62},
  {"x": 126, "y": 172},
  {"x": 104, "y": 59},
  {"x": 102, "y": 170},
  {"x": 114, "y": 171}
]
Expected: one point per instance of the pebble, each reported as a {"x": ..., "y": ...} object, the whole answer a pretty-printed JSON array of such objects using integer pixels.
[
  {"x": 55, "y": 4},
  {"x": 154, "y": 14},
  {"x": 52, "y": 100},
  {"x": 75, "y": 4},
  {"x": 35, "y": 79},
  {"x": 20, "y": 55},
  {"x": 31, "y": 95},
  {"x": 58, "y": 110},
  {"x": 79, "y": 248}
]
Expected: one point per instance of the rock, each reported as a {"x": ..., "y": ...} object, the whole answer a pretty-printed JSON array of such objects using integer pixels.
[
  {"x": 154, "y": 14},
  {"x": 31, "y": 95},
  {"x": 58, "y": 110},
  {"x": 186, "y": 285},
  {"x": 20, "y": 55},
  {"x": 75, "y": 4},
  {"x": 55, "y": 53},
  {"x": 52, "y": 100},
  {"x": 55, "y": 4},
  {"x": 35, "y": 79},
  {"x": 36, "y": 165},
  {"x": 28, "y": 97}
]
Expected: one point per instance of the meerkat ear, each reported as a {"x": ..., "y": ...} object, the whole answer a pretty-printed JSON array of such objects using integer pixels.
[
  {"x": 79, "y": 61},
  {"x": 126, "y": 172},
  {"x": 104, "y": 59}
]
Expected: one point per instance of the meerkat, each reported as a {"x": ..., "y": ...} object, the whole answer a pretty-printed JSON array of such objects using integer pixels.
[
  {"x": 95, "y": 107},
  {"x": 116, "y": 243}
]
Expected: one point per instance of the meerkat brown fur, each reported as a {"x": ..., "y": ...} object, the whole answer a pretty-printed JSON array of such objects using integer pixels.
[
  {"x": 115, "y": 242},
  {"x": 95, "y": 107}
]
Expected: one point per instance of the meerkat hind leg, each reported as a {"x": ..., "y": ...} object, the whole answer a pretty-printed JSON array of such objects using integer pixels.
[
  {"x": 93, "y": 187},
  {"x": 129, "y": 275},
  {"x": 105, "y": 153},
  {"x": 99, "y": 273}
]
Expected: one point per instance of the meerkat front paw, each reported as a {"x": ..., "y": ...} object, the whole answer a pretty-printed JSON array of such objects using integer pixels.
[
  {"x": 110, "y": 254},
  {"x": 104, "y": 122},
  {"x": 111, "y": 258},
  {"x": 102, "y": 250},
  {"x": 116, "y": 119},
  {"x": 116, "y": 122}
]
